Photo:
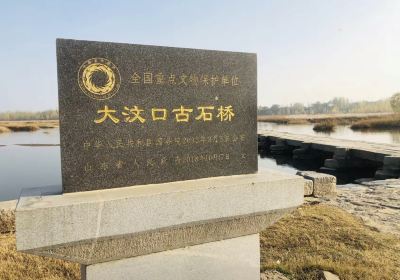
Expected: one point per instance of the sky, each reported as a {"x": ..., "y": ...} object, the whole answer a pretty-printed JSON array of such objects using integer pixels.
[{"x": 307, "y": 51}]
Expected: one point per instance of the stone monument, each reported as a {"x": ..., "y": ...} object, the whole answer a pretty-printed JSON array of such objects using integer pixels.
[
  {"x": 132, "y": 114},
  {"x": 159, "y": 166}
]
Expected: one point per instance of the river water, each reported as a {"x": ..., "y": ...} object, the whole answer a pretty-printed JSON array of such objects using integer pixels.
[
  {"x": 341, "y": 132},
  {"x": 29, "y": 166},
  {"x": 36, "y": 166}
]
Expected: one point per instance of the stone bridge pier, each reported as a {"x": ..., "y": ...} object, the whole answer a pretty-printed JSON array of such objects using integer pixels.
[
  {"x": 354, "y": 158},
  {"x": 390, "y": 168}
]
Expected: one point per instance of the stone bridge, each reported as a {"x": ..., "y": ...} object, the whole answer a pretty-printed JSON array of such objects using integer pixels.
[{"x": 337, "y": 154}]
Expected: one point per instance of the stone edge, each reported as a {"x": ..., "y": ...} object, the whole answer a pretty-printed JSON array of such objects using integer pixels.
[{"x": 132, "y": 245}]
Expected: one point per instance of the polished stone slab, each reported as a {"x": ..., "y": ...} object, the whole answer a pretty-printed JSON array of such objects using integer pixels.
[{"x": 135, "y": 114}]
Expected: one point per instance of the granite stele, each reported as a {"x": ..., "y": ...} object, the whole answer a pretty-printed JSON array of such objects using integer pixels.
[
  {"x": 134, "y": 115},
  {"x": 159, "y": 166}
]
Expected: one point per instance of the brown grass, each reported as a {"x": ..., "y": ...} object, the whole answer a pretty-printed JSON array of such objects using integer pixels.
[
  {"x": 297, "y": 121},
  {"x": 16, "y": 265},
  {"x": 4, "y": 129},
  {"x": 7, "y": 219},
  {"x": 17, "y": 126},
  {"x": 378, "y": 123},
  {"x": 338, "y": 119},
  {"x": 47, "y": 126},
  {"x": 322, "y": 237},
  {"x": 326, "y": 126},
  {"x": 283, "y": 119}
]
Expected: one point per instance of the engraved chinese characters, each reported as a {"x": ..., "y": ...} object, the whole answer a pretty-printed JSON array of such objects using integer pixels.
[
  {"x": 132, "y": 114},
  {"x": 182, "y": 114},
  {"x": 184, "y": 79}
]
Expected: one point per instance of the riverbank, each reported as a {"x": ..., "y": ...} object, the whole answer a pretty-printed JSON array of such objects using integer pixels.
[
  {"x": 355, "y": 235},
  {"x": 17, "y": 126},
  {"x": 338, "y": 119},
  {"x": 328, "y": 122},
  {"x": 378, "y": 123}
]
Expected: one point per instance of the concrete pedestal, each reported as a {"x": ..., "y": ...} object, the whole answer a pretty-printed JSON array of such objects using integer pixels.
[
  {"x": 188, "y": 228},
  {"x": 233, "y": 259}
]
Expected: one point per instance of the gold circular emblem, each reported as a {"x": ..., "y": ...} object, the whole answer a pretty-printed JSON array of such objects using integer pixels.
[{"x": 99, "y": 78}]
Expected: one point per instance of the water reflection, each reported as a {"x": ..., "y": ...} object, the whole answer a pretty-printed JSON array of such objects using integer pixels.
[
  {"x": 287, "y": 164},
  {"x": 270, "y": 163},
  {"x": 42, "y": 136},
  {"x": 341, "y": 132},
  {"x": 27, "y": 167}
]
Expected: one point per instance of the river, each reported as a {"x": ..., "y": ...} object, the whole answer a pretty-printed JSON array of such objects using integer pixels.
[
  {"x": 34, "y": 166},
  {"x": 341, "y": 132}
]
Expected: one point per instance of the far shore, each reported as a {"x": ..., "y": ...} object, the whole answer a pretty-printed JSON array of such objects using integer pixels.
[
  {"x": 31, "y": 125},
  {"x": 318, "y": 118},
  {"x": 327, "y": 122}
]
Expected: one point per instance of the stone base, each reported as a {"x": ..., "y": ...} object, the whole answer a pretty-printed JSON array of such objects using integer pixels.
[
  {"x": 198, "y": 229},
  {"x": 107, "y": 225},
  {"x": 234, "y": 259}
]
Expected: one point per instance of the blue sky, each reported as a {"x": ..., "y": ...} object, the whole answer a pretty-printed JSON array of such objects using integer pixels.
[{"x": 308, "y": 50}]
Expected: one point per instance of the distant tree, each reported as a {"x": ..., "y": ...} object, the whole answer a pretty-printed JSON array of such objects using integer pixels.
[
  {"x": 340, "y": 104},
  {"x": 274, "y": 109},
  {"x": 297, "y": 108},
  {"x": 336, "y": 105},
  {"x": 317, "y": 108},
  {"x": 22, "y": 115},
  {"x": 263, "y": 110},
  {"x": 395, "y": 102}
]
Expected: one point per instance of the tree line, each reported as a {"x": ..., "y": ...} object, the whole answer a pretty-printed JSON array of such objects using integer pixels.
[
  {"x": 25, "y": 116},
  {"x": 336, "y": 105}
]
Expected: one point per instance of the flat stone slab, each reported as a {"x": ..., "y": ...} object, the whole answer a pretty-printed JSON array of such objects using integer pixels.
[
  {"x": 392, "y": 161},
  {"x": 330, "y": 276},
  {"x": 273, "y": 275},
  {"x": 308, "y": 187},
  {"x": 103, "y": 225},
  {"x": 362, "y": 149},
  {"x": 234, "y": 259},
  {"x": 323, "y": 184}
]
